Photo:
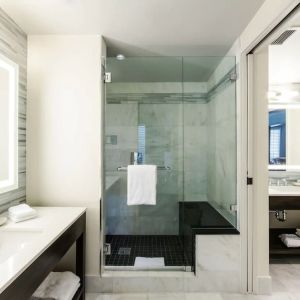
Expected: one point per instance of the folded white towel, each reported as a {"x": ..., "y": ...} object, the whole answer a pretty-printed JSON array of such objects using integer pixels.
[
  {"x": 141, "y": 184},
  {"x": 17, "y": 219},
  {"x": 21, "y": 212},
  {"x": 290, "y": 240},
  {"x": 58, "y": 285},
  {"x": 149, "y": 262}
]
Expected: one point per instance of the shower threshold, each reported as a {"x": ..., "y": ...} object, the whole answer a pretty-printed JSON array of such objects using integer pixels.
[{"x": 132, "y": 268}]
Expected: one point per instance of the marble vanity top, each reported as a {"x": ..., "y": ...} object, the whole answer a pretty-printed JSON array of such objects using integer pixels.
[
  {"x": 22, "y": 243},
  {"x": 288, "y": 190}
]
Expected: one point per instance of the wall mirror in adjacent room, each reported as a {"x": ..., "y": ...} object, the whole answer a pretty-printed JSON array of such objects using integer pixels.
[
  {"x": 8, "y": 124},
  {"x": 284, "y": 100},
  {"x": 284, "y": 129}
]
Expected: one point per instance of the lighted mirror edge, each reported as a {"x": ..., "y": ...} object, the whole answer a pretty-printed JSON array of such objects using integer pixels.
[{"x": 13, "y": 70}]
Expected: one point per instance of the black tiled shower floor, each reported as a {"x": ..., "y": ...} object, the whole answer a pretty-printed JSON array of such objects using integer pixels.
[{"x": 168, "y": 246}]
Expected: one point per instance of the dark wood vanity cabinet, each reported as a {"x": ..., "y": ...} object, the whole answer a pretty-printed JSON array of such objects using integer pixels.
[
  {"x": 277, "y": 247},
  {"x": 27, "y": 282},
  {"x": 284, "y": 202}
]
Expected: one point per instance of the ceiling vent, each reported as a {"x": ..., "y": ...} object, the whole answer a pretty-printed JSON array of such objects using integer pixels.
[{"x": 283, "y": 37}]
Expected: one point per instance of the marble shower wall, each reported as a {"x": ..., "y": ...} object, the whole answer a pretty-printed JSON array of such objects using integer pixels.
[
  {"x": 168, "y": 143},
  {"x": 163, "y": 123},
  {"x": 196, "y": 138},
  {"x": 221, "y": 169},
  {"x": 195, "y": 151}
]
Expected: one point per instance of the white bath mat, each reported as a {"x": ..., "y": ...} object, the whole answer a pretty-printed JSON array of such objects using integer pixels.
[{"x": 149, "y": 262}]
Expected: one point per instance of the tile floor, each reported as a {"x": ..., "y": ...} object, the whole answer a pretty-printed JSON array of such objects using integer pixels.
[
  {"x": 192, "y": 296},
  {"x": 285, "y": 275},
  {"x": 168, "y": 246}
]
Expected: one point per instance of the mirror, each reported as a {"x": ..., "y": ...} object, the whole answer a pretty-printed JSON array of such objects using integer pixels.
[
  {"x": 284, "y": 137},
  {"x": 8, "y": 124}
]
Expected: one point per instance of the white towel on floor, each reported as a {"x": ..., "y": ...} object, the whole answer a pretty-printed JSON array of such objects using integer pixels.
[
  {"x": 141, "y": 184},
  {"x": 149, "y": 262},
  {"x": 58, "y": 285},
  {"x": 290, "y": 240},
  {"x": 21, "y": 212}
]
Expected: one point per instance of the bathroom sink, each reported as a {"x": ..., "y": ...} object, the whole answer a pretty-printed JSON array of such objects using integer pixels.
[
  {"x": 13, "y": 242},
  {"x": 288, "y": 190}
]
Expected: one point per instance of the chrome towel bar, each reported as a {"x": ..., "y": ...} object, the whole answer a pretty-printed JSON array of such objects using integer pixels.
[{"x": 160, "y": 168}]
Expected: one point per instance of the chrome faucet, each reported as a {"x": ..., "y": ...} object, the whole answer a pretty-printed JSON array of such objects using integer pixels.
[{"x": 134, "y": 158}]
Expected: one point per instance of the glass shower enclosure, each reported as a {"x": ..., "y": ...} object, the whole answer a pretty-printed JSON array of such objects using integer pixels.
[{"x": 178, "y": 113}]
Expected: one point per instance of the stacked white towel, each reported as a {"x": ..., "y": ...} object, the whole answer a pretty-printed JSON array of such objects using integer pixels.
[
  {"x": 290, "y": 240},
  {"x": 21, "y": 213},
  {"x": 58, "y": 286},
  {"x": 298, "y": 231}
]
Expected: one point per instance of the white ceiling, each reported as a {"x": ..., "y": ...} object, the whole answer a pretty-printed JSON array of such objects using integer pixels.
[{"x": 141, "y": 27}]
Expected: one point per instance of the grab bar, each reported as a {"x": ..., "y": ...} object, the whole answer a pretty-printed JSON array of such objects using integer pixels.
[{"x": 161, "y": 168}]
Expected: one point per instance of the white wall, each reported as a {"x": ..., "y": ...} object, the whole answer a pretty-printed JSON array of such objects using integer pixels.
[
  {"x": 293, "y": 136},
  {"x": 284, "y": 60},
  {"x": 63, "y": 123}
]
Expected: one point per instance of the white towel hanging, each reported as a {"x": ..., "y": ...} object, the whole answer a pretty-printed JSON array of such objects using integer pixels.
[{"x": 141, "y": 184}]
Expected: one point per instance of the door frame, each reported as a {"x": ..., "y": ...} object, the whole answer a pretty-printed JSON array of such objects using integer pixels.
[{"x": 251, "y": 282}]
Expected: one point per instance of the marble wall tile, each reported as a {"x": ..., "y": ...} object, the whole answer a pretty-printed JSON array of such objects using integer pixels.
[
  {"x": 13, "y": 45},
  {"x": 95, "y": 284},
  {"x": 196, "y": 140},
  {"x": 221, "y": 166},
  {"x": 130, "y": 285},
  {"x": 163, "y": 147},
  {"x": 121, "y": 114},
  {"x": 203, "y": 296},
  {"x": 217, "y": 263},
  {"x": 195, "y": 114},
  {"x": 126, "y": 137},
  {"x": 166, "y": 296},
  {"x": 161, "y": 114}
]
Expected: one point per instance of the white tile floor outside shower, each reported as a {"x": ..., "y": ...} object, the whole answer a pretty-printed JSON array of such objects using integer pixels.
[
  {"x": 192, "y": 296},
  {"x": 286, "y": 286}
]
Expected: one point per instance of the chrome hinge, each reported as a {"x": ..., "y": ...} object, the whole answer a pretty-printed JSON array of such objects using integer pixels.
[
  {"x": 107, "y": 78},
  {"x": 233, "y": 207},
  {"x": 249, "y": 180},
  {"x": 107, "y": 249}
]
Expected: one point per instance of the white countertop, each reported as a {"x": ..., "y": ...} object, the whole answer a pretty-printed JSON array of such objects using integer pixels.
[
  {"x": 43, "y": 230},
  {"x": 284, "y": 190}
]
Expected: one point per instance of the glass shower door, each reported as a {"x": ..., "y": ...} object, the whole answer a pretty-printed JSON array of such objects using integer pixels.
[
  {"x": 209, "y": 151},
  {"x": 209, "y": 113},
  {"x": 179, "y": 114},
  {"x": 144, "y": 123}
]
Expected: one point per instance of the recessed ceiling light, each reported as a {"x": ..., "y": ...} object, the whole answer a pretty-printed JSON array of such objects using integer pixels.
[{"x": 120, "y": 57}]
